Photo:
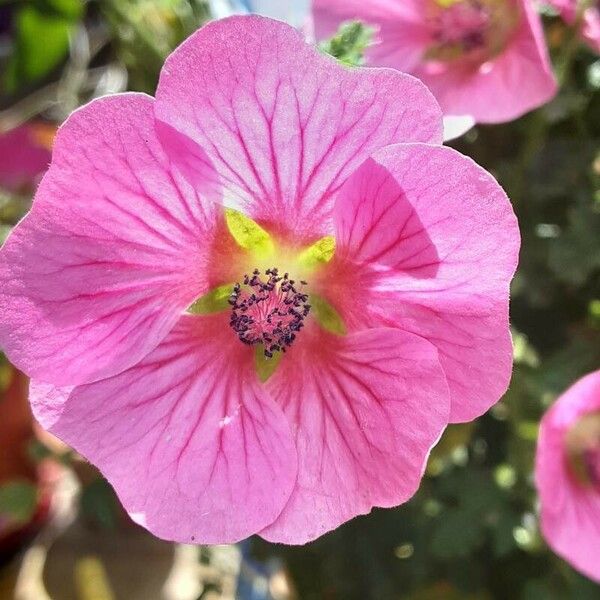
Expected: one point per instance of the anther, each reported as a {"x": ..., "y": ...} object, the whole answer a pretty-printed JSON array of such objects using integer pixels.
[{"x": 270, "y": 311}]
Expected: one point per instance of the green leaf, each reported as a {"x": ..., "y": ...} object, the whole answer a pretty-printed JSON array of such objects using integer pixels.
[
  {"x": 319, "y": 253},
  {"x": 457, "y": 534},
  {"x": 539, "y": 589},
  {"x": 327, "y": 317},
  {"x": 528, "y": 430},
  {"x": 6, "y": 375},
  {"x": 265, "y": 367},
  {"x": 575, "y": 255},
  {"x": 248, "y": 234},
  {"x": 594, "y": 313},
  {"x": 503, "y": 541},
  {"x": 69, "y": 9},
  {"x": 18, "y": 501},
  {"x": 39, "y": 452},
  {"x": 348, "y": 45},
  {"x": 41, "y": 43},
  {"x": 99, "y": 503},
  {"x": 215, "y": 301}
]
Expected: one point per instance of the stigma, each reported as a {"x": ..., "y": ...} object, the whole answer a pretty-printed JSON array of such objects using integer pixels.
[{"x": 268, "y": 310}]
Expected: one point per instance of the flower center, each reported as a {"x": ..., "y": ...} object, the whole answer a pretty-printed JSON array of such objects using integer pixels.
[
  {"x": 472, "y": 29},
  {"x": 582, "y": 443},
  {"x": 592, "y": 462},
  {"x": 269, "y": 310}
]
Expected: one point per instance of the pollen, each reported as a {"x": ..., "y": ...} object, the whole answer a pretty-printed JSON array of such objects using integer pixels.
[{"x": 269, "y": 310}]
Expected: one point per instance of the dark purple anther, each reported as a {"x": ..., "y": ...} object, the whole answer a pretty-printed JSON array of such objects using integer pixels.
[{"x": 268, "y": 311}]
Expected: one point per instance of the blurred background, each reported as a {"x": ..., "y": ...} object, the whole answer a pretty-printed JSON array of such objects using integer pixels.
[{"x": 472, "y": 530}]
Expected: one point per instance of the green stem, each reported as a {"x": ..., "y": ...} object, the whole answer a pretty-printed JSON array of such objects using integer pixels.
[{"x": 565, "y": 62}]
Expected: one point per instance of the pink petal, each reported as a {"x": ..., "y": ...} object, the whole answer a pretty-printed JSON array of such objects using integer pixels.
[
  {"x": 115, "y": 247},
  {"x": 191, "y": 442},
  {"x": 365, "y": 410},
  {"x": 245, "y": 104},
  {"x": 570, "y": 513},
  {"x": 428, "y": 242},
  {"x": 591, "y": 28}
]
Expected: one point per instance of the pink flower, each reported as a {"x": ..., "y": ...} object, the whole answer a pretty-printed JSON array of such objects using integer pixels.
[
  {"x": 24, "y": 155},
  {"x": 590, "y": 29},
  {"x": 567, "y": 474},
  {"x": 330, "y": 174},
  {"x": 483, "y": 59}
]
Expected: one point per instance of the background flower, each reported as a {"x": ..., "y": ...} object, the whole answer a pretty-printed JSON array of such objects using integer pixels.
[
  {"x": 568, "y": 475},
  {"x": 474, "y": 56},
  {"x": 590, "y": 19},
  {"x": 24, "y": 155}
]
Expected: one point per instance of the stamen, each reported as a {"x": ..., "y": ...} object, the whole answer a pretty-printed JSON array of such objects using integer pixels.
[
  {"x": 591, "y": 460},
  {"x": 473, "y": 29},
  {"x": 582, "y": 444},
  {"x": 463, "y": 23},
  {"x": 268, "y": 311}
]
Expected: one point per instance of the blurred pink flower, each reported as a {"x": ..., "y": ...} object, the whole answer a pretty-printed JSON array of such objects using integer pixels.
[
  {"x": 590, "y": 30},
  {"x": 128, "y": 230},
  {"x": 568, "y": 475},
  {"x": 24, "y": 155},
  {"x": 483, "y": 59}
]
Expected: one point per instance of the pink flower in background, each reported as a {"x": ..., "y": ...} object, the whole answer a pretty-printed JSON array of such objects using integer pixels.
[
  {"x": 590, "y": 27},
  {"x": 568, "y": 475},
  {"x": 393, "y": 318},
  {"x": 484, "y": 60},
  {"x": 24, "y": 155}
]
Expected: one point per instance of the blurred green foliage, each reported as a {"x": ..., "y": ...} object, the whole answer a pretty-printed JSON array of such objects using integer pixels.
[
  {"x": 146, "y": 31},
  {"x": 350, "y": 43},
  {"x": 99, "y": 504},
  {"x": 41, "y": 30},
  {"x": 18, "y": 502},
  {"x": 472, "y": 530}
]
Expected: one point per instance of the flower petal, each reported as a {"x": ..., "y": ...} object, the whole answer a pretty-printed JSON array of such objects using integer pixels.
[
  {"x": 191, "y": 442},
  {"x": 366, "y": 410},
  {"x": 115, "y": 247},
  {"x": 428, "y": 242},
  {"x": 570, "y": 513},
  {"x": 591, "y": 28},
  {"x": 246, "y": 105}
]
